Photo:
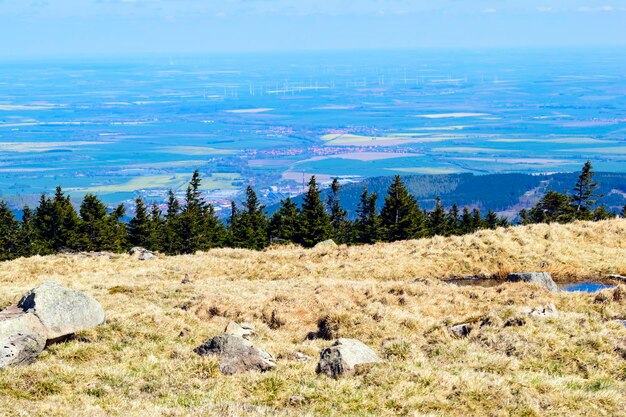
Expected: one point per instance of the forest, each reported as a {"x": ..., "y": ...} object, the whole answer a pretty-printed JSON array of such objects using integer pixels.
[{"x": 55, "y": 226}]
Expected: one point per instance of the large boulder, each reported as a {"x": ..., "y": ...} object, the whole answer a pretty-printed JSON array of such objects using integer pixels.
[
  {"x": 21, "y": 348},
  {"x": 236, "y": 354},
  {"x": 142, "y": 254},
  {"x": 344, "y": 356},
  {"x": 61, "y": 310},
  {"x": 14, "y": 320},
  {"x": 326, "y": 244},
  {"x": 542, "y": 278}
]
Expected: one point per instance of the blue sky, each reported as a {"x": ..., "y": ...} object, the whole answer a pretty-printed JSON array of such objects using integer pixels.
[{"x": 104, "y": 27}]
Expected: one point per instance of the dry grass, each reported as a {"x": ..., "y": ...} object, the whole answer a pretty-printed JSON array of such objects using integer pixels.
[{"x": 388, "y": 295}]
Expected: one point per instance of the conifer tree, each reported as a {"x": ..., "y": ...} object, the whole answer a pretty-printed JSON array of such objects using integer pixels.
[
  {"x": 401, "y": 217},
  {"x": 56, "y": 224},
  {"x": 584, "y": 196},
  {"x": 314, "y": 221},
  {"x": 467, "y": 222},
  {"x": 26, "y": 244},
  {"x": 601, "y": 213},
  {"x": 437, "y": 224},
  {"x": 93, "y": 225},
  {"x": 453, "y": 221},
  {"x": 116, "y": 231},
  {"x": 553, "y": 207},
  {"x": 249, "y": 230},
  {"x": 624, "y": 212},
  {"x": 172, "y": 244},
  {"x": 157, "y": 229},
  {"x": 139, "y": 226},
  {"x": 477, "y": 220},
  {"x": 491, "y": 220},
  {"x": 367, "y": 225},
  {"x": 9, "y": 233},
  {"x": 284, "y": 226},
  {"x": 338, "y": 216}
]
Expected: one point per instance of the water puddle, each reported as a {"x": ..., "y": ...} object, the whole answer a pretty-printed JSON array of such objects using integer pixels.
[{"x": 589, "y": 286}]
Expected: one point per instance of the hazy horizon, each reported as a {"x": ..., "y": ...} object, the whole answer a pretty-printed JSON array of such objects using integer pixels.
[{"x": 41, "y": 28}]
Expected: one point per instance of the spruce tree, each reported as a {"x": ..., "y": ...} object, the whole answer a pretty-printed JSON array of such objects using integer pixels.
[
  {"x": 139, "y": 226},
  {"x": 56, "y": 224},
  {"x": 172, "y": 243},
  {"x": 284, "y": 226},
  {"x": 249, "y": 230},
  {"x": 116, "y": 231},
  {"x": 624, "y": 212},
  {"x": 553, "y": 207},
  {"x": 26, "y": 245},
  {"x": 9, "y": 233},
  {"x": 367, "y": 225},
  {"x": 491, "y": 220},
  {"x": 401, "y": 217},
  {"x": 477, "y": 220},
  {"x": 93, "y": 234},
  {"x": 157, "y": 229},
  {"x": 584, "y": 196},
  {"x": 453, "y": 221},
  {"x": 437, "y": 224},
  {"x": 315, "y": 224},
  {"x": 601, "y": 213},
  {"x": 338, "y": 216},
  {"x": 467, "y": 222}
]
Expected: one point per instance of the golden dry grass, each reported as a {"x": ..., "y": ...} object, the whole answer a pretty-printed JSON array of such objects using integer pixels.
[{"x": 388, "y": 295}]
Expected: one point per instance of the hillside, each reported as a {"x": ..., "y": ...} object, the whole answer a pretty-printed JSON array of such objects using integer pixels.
[
  {"x": 504, "y": 193},
  {"x": 390, "y": 296}
]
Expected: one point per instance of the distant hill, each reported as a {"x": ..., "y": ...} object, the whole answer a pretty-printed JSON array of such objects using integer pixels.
[{"x": 504, "y": 193}]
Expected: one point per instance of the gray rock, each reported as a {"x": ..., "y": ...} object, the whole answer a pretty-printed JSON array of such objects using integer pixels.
[
  {"x": 461, "y": 330},
  {"x": 617, "y": 277},
  {"x": 344, "y": 356},
  {"x": 548, "y": 311},
  {"x": 14, "y": 320},
  {"x": 239, "y": 330},
  {"x": 542, "y": 278},
  {"x": 326, "y": 244},
  {"x": 141, "y": 253},
  {"x": 61, "y": 310},
  {"x": 236, "y": 354},
  {"x": 146, "y": 256},
  {"x": 21, "y": 348}
]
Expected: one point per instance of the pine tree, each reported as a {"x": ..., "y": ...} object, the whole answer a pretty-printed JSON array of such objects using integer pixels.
[
  {"x": 26, "y": 245},
  {"x": 139, "y": 226},
  {"x": 491, "y": 220},
  {"x": 453, "y": 221},
  {"x": 367, "y": 225},
  {"x": 157, "y": 229},
  {"x": 284, "y": 226},
  {"x": 93, "y": 225},
  {"x": 401, "y": 217},
  {"x": 338, "y": 216},
  {"x": 9, "y": 233},
  {"x": 466, "y": 222},
  {"x": 477, "y": 220},
  {"x": 585, "y": 192},
  {"x": 315, "y": 224},
  {"x": 437, "y": 224},
  {"x": 172, "y": 244},
  {"x": 249, "y": 230}
]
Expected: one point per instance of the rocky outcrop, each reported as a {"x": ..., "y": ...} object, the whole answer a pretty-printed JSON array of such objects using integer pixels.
[
  {"x": 542, "y": 278},
  {"x": 326, "y": 244},
  {"x": 46, "y": 314},
  {"x": 142, "y": 254},
  {"x": 461, "y": 330},
  {"x": 236, "y": 354},
  {"x": 344, "y": 356},
  {"x": 245, "y": 330},
  {"x": 21, "y": 348},
  {"x": 61, "y": 310}
]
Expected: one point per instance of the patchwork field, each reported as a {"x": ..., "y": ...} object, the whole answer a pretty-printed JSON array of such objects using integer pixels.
[{"x": 390, "y": 296}]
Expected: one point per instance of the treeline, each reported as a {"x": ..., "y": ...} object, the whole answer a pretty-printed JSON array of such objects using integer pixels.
[{"x": 55, "y": 226}]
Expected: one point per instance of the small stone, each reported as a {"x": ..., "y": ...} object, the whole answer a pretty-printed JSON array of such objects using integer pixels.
[
  {"x": 238, "y": 330},
  {"x": 326, "y": 244},
  {"x": 461, "y": 330},
  {"x": 548, "y": 311},
  {"x": 617, "y": 277},
  {"x": 21, "y": 349},
  {"x": 296, "y": 400},
  {"x": 344, "y": 356},
  {"x": 301, "y": 357},
  {"x": 236, "y": 354},
  {"x": 186, "y": 279}
]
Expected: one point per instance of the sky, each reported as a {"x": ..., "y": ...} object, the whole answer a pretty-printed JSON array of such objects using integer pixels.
[{"x": 42, "y": 28}]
